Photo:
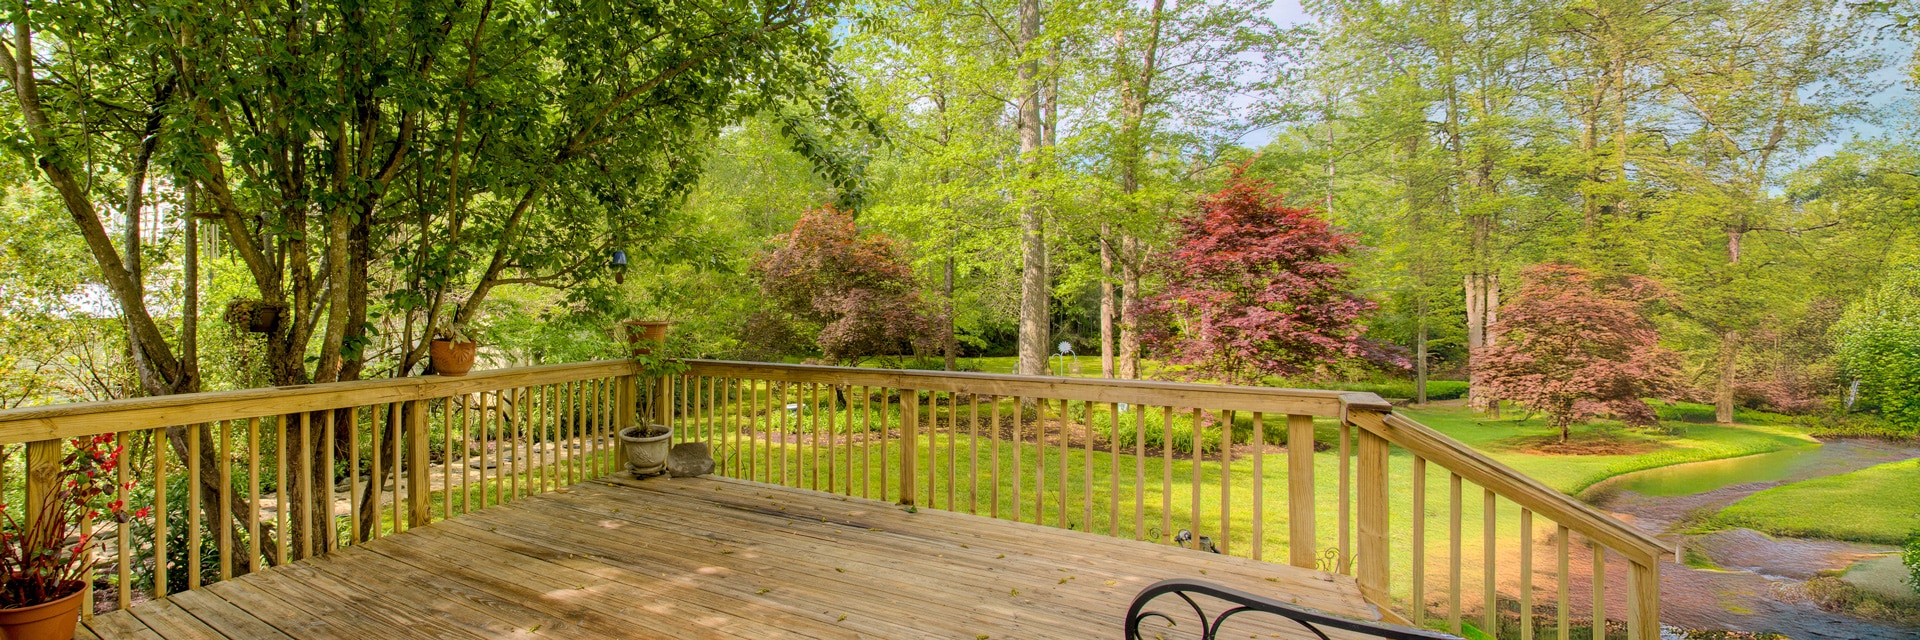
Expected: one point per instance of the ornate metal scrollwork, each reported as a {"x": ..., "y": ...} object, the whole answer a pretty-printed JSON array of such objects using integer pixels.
[{"x": 1243, "y": 602}]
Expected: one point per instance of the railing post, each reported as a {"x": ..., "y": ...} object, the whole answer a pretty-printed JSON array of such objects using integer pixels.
[
  {"x": 1373, "y": 507},
  {"x": 419, "y": 491},
  {"x": 1302, "y": 550},
  {"x": 43, "y": 476},
  {"x": 625, "y": 397},
  {"x": 909, "y": 444},
  {"x": 1643, "y": 602}
]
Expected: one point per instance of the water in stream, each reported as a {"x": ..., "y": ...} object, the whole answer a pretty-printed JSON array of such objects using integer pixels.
[{"x": 1758, "y": 590}]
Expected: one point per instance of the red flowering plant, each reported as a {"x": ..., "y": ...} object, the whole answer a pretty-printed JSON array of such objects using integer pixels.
[{"x": 46, "y": 557}]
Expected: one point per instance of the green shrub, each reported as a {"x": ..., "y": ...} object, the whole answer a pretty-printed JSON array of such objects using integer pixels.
[
  {"x": 1911, "y": 557},
  {"x": 1879, "y": 346}
]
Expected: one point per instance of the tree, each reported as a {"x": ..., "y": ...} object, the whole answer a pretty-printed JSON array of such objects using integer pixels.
[
  {"x": 1879, "y": 345},
  {"x": 856, "y": 294},
  {"x": 1577, "y": 345},
  {"x": 1254, "y": 289}
]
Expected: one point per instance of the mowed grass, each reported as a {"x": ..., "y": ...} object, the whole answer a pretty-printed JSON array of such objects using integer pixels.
[
  {"x": 1879, "y": 504},
  {"x": 1572, "y": 474}
]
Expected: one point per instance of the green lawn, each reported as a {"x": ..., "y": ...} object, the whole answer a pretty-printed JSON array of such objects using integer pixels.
[
  {"x": 1575, "y": 473},
  {"x": 1878, "y": 504}
]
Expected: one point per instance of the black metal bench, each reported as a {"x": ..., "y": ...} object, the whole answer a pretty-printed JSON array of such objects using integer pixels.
[{"x": 1243, "y": 602}]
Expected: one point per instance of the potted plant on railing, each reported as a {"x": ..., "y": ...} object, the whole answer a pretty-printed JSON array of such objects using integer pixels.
[
  {"x": 452, "y": 351},
  {"x": 646, "y": 444},
  {"x": 44, "y": 560}
]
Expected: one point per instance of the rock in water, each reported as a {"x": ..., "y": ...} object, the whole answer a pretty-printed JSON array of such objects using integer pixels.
[{"x": 689, "y": 459}]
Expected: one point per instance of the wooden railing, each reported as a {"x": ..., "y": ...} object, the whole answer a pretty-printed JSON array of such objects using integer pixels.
[
  {"x": 1142, "y": 459},
  {"x": 1115, "y": 457},
  {"x": 263, "y": 477}
]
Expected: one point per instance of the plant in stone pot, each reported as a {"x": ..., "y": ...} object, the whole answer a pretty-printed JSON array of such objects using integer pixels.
[
  {"x": 45, "y": 556},
  {"x": 646, "y": 445},
  {"x": 452, "y": 350}
]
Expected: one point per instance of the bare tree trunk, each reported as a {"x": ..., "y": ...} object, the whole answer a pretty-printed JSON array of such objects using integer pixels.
[
  {"x": 1034, "y": 326},
  {"x": 947, "y": 342},
  {"x": 1106, "y": 301}
]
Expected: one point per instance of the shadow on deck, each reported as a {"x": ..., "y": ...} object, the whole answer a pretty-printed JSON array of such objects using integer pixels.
[{"x": 711, "y": 558}]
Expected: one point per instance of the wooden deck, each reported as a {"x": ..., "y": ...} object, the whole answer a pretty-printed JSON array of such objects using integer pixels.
[{"x": 716, "y": 558}]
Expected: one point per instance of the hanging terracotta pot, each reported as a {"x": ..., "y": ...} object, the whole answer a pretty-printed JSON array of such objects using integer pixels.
[{"x": 47, "y": 621}]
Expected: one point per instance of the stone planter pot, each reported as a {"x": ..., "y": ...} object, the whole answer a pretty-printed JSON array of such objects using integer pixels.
[
  {"x": 647, "y": 448},
  {"x": 48, "y": 621}
]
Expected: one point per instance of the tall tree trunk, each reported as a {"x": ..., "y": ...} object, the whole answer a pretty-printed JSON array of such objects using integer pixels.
[
  {"x": 1723, "y": 387},
  {"x": 1106, "y": 301},
  {"x": 1129, "y": 307},
  {"x": 1420, "y": 352},
  {"x": 1034, "y": 327},
  {"x": 947, "y": 342}
]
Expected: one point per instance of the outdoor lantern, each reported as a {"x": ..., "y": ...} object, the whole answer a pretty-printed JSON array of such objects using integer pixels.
[{"x": 620, "y": 267}]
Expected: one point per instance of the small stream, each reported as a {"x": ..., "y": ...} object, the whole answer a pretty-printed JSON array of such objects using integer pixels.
[{"x": 1758, "y": 585}]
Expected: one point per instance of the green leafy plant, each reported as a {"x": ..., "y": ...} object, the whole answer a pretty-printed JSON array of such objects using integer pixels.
[{"x": 1911, "y": 557}]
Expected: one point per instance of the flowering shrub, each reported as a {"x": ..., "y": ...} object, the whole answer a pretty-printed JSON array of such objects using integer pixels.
[{"x": 46, "y": 559}]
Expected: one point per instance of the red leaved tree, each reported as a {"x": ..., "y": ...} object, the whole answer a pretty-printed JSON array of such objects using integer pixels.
[
  {"x": 1255, "y": 289},
  {"x": 1576, "y": 345},
  {"x": 856, "y": 295}
]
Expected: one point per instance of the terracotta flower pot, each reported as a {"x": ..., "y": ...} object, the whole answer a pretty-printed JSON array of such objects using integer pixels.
[
  {"x": 452, "y": 358},
  {"x": 644, "y": 335},
  {"x": 47, "y": 621}
]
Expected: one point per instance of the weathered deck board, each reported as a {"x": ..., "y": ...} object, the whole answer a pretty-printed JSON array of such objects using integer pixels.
[{"x": 715, "y": 558}]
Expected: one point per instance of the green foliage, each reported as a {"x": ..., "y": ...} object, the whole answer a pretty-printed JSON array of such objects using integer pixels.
[
  {"x": 1879, "y": 345},
  {"x": 1910, "y": 556},
  {"x": 1880, "y": 506}
]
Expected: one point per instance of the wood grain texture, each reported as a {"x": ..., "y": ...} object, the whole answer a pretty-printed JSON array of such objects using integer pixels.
[{"x": 715, "y": 558}]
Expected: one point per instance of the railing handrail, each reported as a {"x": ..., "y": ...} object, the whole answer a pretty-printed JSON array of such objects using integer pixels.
[
  {"x": 1273, "y": 400},
  {"x": 1474, "y": 466},
  {"x": 50, "y": 422}
]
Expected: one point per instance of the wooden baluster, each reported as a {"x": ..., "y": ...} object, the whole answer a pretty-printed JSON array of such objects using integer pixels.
[
  {"x": 282, "y": 498},
  {"x": 1019, "y": 444},
  {"x": 953, "y": 446},
  {"x": 1374, "y": 559},
  {"x": 159, "y": 506},
  {"x": 306, "y": 486},
  {"x": 993, "y": 455},
  {"x": 772, "y": 408},
  {"x": 400, "y": 426},
  {"x": 353, "y": 469},
  {"x": 1526, "y": 574},
  {"x": 1113, "y": 467},
  {"x": 866, "y": 439},
  {"x": 1302, "y": 545},
  {"x": 933, "y": 452},
  {"x": 446, "y": 457},
  {"x": 1199, "y": 440},
  {"x": 1418, "y": 597},
  {"x": 813, "y": 410},
  {"x": 833, "y": 411},
  {"x": 1139, "y": 472},
  {"x": 1560, "y": 544},
  {"x": 1226, "y": 480},
  {"x": 753, "y": 429},
  {"x": 1643, "y": 602},
  {"x": 223, "y": 539},
  {"x": 1599, "y": 589},
  {"x": 886, "y": 436},
  {"x": 1066, "y": 454},
  {"x": 1491, "y": 597},
  {"x": 713, "y": 412},
  {"x": 786, "y": 439},
  {"x": 973, "y": 454},
  {"x": 1166, "y": 474},
  {"x": 376, "y": 473},
  {"x": 550, "y": 425},
  {"x": 1454, "y": 502},
  {"x": 122, "y": 464},
  {"x": 1259, "y": 482},
  {"x": 909, "y": 445},
  {"x": 419, "y": 491},
  {"x": 848, "y": 449},
  {"x": 326, "y": 455},
  {"x": 1344, "y": 524},
  {"x": 253, "y": 494},
  {"x": 193, "y": 506},
  {"x": 1039, "y": 460},
  {"x": 466, "y": 444}
]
